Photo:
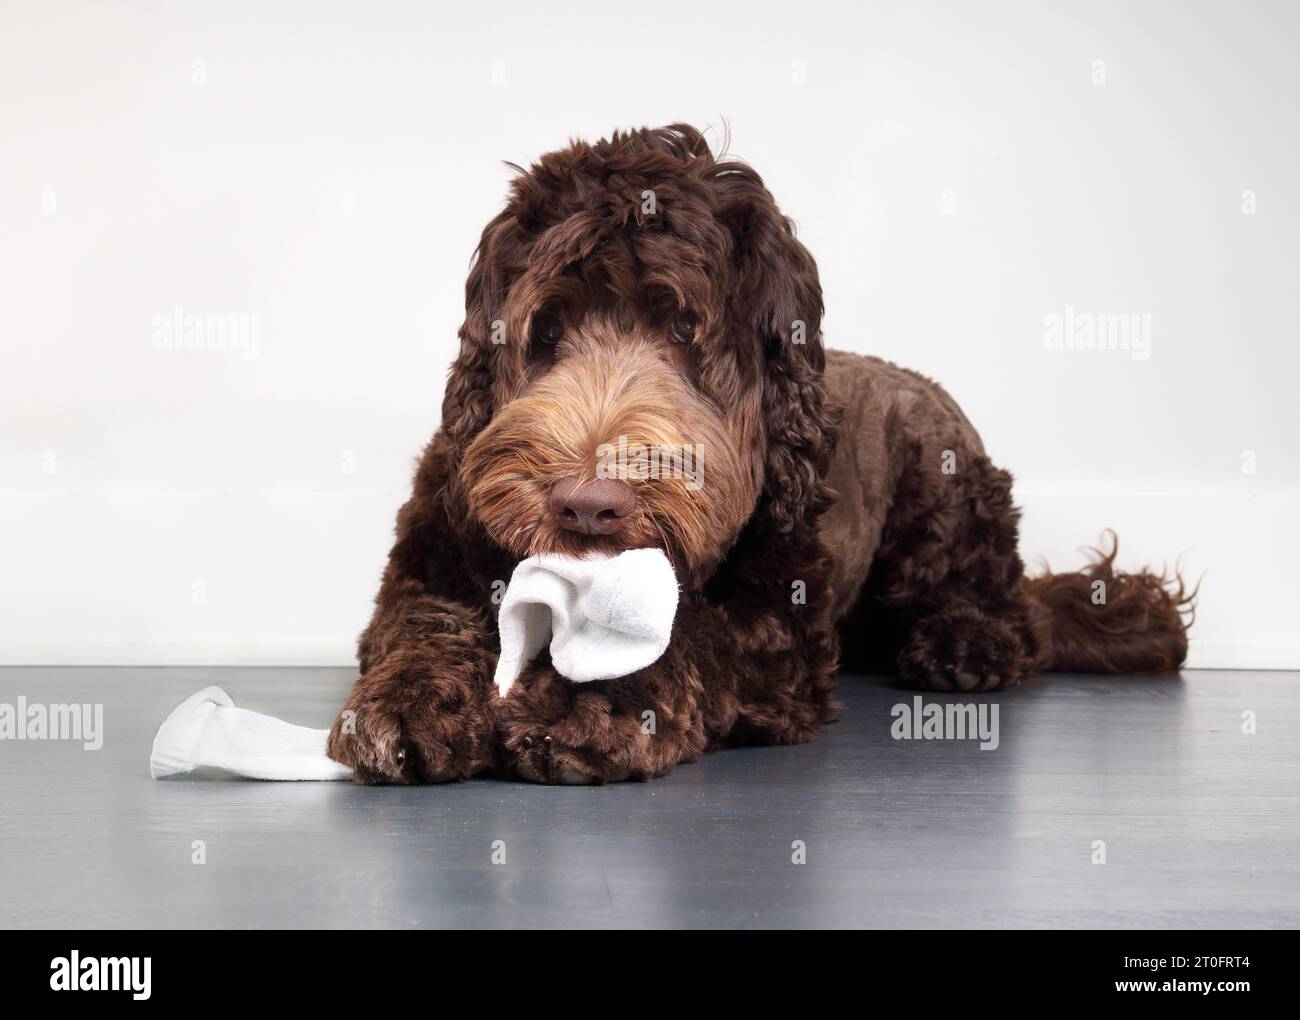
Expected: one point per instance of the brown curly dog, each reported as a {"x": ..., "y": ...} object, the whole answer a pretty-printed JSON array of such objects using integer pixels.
[{"x": 642, "y": 290}]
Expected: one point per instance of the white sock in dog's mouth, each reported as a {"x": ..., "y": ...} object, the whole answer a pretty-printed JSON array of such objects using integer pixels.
[{"x": 605, "y": 616}]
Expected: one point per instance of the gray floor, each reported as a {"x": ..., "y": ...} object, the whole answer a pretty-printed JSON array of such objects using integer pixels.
[{"x": 1201, "y": 823}]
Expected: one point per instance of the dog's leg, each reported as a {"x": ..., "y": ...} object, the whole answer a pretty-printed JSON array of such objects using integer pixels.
[
  {"x": 954, "y": 579},
  {"x": 422, "y": 710}
]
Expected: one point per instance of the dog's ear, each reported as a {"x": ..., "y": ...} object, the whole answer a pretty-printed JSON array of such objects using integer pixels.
[
  {"x": 777, "y": 294},
  {"x": 468, "y": 401}
]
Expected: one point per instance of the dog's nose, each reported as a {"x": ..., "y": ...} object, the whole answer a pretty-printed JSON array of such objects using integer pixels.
[{"x": 596, "y": 507}]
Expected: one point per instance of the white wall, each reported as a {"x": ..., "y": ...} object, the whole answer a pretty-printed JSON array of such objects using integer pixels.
[{"x": 329, "y": 173}]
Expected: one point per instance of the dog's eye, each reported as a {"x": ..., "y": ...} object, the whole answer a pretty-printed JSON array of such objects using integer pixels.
[
  {"x": 548, "y": 329},
  {"x": 682, "y": 328}
]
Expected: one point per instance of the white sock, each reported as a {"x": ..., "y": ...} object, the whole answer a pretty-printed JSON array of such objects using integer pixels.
[
  {"x": 207, "y": 731},
  {"x": 605, "y": 616}
]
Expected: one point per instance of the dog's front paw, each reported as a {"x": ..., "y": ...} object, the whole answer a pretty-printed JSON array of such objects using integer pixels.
[
  {"x": 548, "y": 731},
  {"x": 402, "y": 724},
  {"x": 532, "y": 753},
  {"x": 538, "y": 758}
]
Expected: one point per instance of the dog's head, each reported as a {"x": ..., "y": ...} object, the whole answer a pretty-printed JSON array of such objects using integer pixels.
[{"x": 641, "y": 359}]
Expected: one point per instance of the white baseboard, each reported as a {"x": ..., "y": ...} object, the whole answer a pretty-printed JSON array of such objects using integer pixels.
[
  {"x": 179, "y": 653},
  {"x": 1225, "y": 655}
]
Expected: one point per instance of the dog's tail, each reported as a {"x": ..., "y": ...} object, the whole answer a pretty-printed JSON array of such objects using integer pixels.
[{"x": 1102, "y": 620}]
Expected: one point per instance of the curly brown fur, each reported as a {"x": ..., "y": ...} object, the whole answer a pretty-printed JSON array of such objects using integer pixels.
[
  {"x": 641, "y": 291},
  {"x": 1104, "y": 620}
]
